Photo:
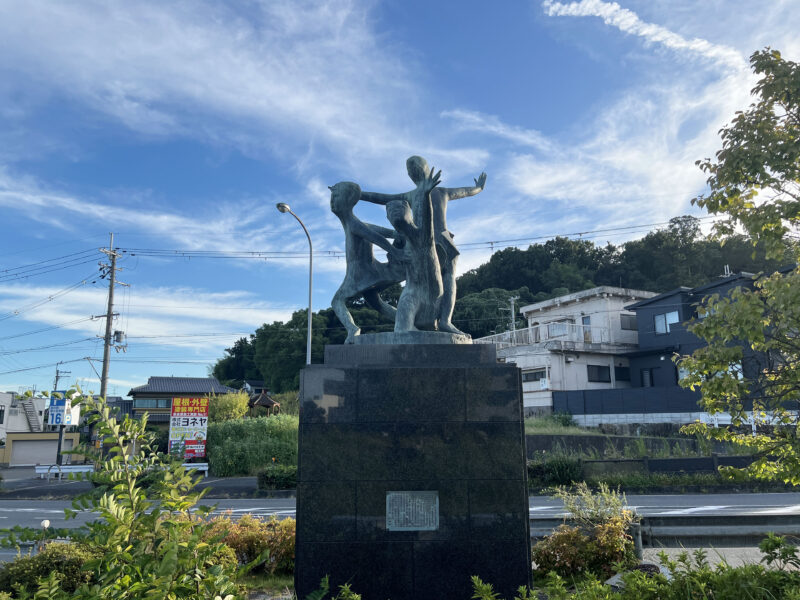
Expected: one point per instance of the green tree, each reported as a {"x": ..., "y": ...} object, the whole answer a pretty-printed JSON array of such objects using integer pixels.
[
  {"x": 227, "y": 406},
  {"x": 486, "y": 312},
  {"x": 238, "y": 364},
  {"x": 753, "y": 183}
]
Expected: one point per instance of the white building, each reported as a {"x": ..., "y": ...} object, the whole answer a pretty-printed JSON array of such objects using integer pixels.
[
  {"x": 20, "y": 414},
  {"x": 573, "y": 342}
]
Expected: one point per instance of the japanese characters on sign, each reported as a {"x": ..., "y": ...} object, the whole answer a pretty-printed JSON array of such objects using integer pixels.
[
  {"x": 187, "y": 426},
  {"x": 412, "y": 511}
]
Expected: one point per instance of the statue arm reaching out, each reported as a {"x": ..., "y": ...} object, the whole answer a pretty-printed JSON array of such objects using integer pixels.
[
  {"x": 464, "y": 192},
  {"x": 383, "y": 199},
  {"x": 376, "y": 235}
]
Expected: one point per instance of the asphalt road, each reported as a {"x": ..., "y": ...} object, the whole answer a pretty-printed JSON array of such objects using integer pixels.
[{"x": 30, "y": 513}]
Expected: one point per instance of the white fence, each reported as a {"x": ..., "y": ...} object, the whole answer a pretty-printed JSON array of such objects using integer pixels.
[{"x": 546, "y": 332}]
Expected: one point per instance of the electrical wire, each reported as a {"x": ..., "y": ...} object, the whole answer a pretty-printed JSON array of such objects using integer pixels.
[
  {"x": 29, "y": 307},
  {"x": 73, "y": 256}
]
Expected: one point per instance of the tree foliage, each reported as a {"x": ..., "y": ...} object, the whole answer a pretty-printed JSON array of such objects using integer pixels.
[
  {"x": 752, "y": 354},
  {"x": 225, "y": 407}
]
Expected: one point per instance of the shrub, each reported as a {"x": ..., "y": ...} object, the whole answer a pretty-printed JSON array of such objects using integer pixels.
[
  {"x": 554, "y": 469},
  {"x": 148, "y": 544},
  {"x": 598, "y": 545},
  {"x": 563, "y": 552},
  {"x": 590, "y": 508},
  {"x": 226, "y": 407},
  {"x": 570, "y": 551},
  {"x": 249, "y": 537},
  {"x": 278, "y": 477},
  {"x": 66, "y": 560},
  {"x": 243, "y": 446},
  {"x": 289, "y": 401}
]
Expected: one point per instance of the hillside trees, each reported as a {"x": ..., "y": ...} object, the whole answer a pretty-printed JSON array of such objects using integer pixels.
[{"x": 754, "y": 182}]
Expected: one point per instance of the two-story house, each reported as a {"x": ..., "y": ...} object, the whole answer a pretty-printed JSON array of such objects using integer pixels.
[
  {"x": 577, "y": 341},
  {"x": 654, "y": 395}
]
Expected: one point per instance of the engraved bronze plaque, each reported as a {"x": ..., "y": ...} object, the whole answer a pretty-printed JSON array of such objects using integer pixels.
[{"x": 412, "y": 511}]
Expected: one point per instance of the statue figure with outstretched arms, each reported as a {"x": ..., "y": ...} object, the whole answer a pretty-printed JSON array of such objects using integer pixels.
[
  {"x": 418, "y": 307},
  {"x": 447, "y": 252},
  {"x": 364, "y": 276}
]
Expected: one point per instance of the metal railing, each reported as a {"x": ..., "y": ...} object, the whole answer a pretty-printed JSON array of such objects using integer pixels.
[{"x": 548, "y": 332}]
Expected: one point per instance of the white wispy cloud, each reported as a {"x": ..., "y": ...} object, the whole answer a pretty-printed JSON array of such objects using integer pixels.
[
  {"x": 629, "y": 22},
  {"x": 308, "y": 82},
  {"x": 490, "y": 124},
  {"x": 154, "y": 316}
]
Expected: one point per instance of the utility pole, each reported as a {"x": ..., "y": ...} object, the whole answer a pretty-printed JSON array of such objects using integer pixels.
[
  {"x": 59, "y": 456},
  {"x": 513, "y": 299},
  {"x": 110, "y": 271}
]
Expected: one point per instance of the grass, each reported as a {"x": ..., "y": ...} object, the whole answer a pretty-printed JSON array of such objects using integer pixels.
[
  {"x": 555, "y": 425},
  {"x": 632, "y": 482},
  {"x": 272, "y": 584}
]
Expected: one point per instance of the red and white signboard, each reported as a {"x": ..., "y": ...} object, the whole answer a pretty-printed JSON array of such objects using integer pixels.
[{"x": 188, "y": 425}]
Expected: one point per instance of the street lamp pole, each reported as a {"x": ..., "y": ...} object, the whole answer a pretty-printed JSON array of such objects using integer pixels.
[{"x": 284, "y": 208}]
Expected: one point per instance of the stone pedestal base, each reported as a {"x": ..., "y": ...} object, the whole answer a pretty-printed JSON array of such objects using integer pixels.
[{"x": 412, "y": 472}]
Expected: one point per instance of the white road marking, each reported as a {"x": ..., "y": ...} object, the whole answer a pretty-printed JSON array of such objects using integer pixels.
[
  {"x": 689, "y": 511},
  {"x": 36, "y": 510},
  {"x": 778, "y": 510}
]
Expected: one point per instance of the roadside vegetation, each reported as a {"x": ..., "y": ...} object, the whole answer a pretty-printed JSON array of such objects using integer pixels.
[{"x": 147, "y": 541}]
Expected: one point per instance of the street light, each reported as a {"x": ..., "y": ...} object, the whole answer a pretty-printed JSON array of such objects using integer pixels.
[{"x": 284, "y": 208}]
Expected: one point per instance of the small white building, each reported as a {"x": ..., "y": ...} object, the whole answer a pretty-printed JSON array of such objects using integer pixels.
[
  {"x": 20, "y": 414},
  {"x": 573, "y": 342}
]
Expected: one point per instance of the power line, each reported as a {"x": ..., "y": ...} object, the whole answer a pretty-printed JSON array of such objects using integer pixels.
[
  {"x": 50, "y": 298},
  {"x": 43, "y": 329},
  {"x": 267, "y": 255},
  {"x": 37, "y": 367},
  {"x": 67, "y": 257},
  {"x": 39, "y": 348}
]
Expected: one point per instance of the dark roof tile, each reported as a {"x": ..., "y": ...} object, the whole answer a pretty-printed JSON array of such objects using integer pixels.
[{"x": 181, "y": 385}]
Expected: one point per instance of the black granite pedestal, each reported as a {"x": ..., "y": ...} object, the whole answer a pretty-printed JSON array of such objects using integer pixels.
[{"x": 412, "y": 472}]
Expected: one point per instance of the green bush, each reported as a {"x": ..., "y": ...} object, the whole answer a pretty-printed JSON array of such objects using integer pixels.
[
  {"x": 243, "y": 446},
  {"x": 227, "y": 407},
  {"x": 249, "y": 537},
  {"x": 692, "y": 578},
  {"x": 554, "y": 469},
  {"x": 64, "y": 559},
  {"x": 278, "y": 477},
  {"x": 571, "y": 551}
]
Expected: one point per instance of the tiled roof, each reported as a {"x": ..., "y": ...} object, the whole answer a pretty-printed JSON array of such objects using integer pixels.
[{"x": 181, "y": 385}]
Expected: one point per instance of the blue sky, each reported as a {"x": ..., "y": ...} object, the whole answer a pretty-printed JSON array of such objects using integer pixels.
[{"x": 179, "y": 125}]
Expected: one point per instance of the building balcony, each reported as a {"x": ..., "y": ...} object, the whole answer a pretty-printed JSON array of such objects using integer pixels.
[{"x": 557, "y": 336}]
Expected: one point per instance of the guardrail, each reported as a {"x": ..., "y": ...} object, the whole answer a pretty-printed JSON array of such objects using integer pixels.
[
  {"x": 47, "y": 471},
  {"x": 675, "y": 531}
]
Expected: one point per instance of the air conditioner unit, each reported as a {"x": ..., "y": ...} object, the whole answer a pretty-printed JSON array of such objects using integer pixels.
[{"x": 543, "y": 383}]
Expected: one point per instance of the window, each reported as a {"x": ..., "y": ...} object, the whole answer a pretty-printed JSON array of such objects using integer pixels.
[
  {"x": 599, "y": 373},
  {"x": 557, "y": 329},
  {"x": 2, "y": 414},
  {"x": 622, "y": 373},
  {"x": 145, "y": 403},
  {"x": 647, "y": 377},
  {"x": 534, "y": 375},
  {"x": 164, "y": 403},
  {"x": 628, "y": 322},
  {"x": 663, "y": 321}
]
